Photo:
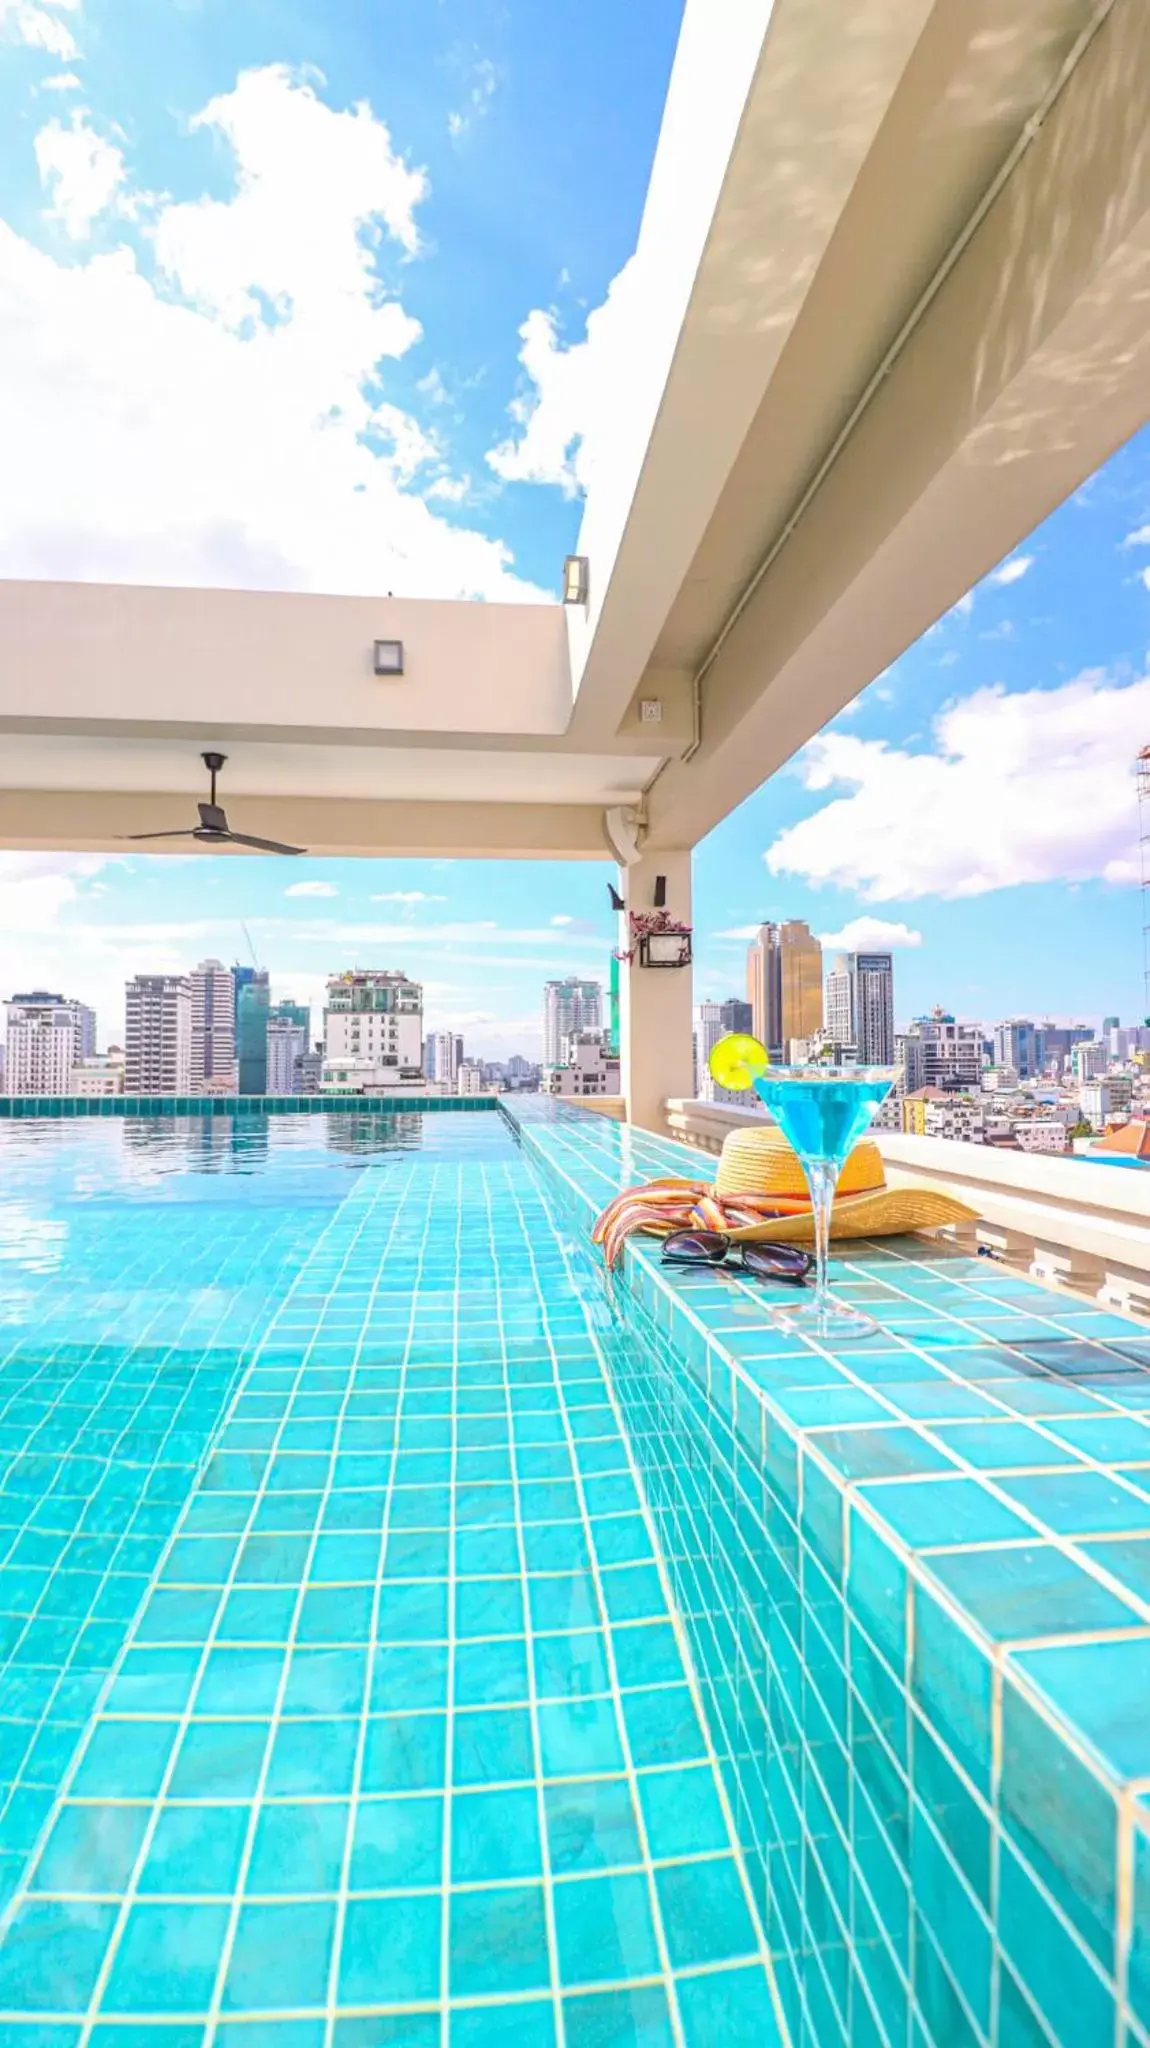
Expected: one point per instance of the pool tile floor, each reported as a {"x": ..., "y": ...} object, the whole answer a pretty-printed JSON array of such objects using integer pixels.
[{"x": 402, "y": 1746}]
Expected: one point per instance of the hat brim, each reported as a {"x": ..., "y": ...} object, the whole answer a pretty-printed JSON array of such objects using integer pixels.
[{"x": 885, "y": 1212}]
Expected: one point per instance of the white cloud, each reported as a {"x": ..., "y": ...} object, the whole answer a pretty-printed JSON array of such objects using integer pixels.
[
  {"x": 204, "y": 404},
  {"x": 1034, "y": 786},
  {"x": 39, "y": 27},
  {"x": 965, "y": 605},
  {"x": 408, "y": 896},
  {"x": 1014, "y": 570},
  {"x": 480, "y": 92},
  {"x": 740, "y": 931},
  {"x": 311, "y": 889},
  {"x": 869, "y": 935},
  {"x": 565, "y": 419},
  {"x": 80, "y": 171},
  {"x": 1140, "y": 538},
  {"x": 562, "y": 919},
  {"x": 61, "y": 81}
]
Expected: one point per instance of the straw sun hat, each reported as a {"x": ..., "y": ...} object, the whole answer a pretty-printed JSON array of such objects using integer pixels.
[{"x": 761, "y": 1162}]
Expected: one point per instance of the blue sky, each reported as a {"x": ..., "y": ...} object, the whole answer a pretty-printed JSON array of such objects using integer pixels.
[{"x": 284, "y": 286}]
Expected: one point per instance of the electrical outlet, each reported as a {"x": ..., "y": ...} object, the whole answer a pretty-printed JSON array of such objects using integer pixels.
[{"x": 650, "y": 711}]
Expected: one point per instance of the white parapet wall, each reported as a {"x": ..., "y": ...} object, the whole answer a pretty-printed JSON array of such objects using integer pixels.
[{"x": 1072, "y": 1221}]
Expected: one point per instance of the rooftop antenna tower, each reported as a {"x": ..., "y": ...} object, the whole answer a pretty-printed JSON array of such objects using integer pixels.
[{"x": 1144, "y": 850}]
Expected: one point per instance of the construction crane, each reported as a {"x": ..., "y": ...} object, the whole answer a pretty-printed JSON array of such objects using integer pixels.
[
  {"x": 1143, "y": 766},
  {"x": 252, "y": 950}
]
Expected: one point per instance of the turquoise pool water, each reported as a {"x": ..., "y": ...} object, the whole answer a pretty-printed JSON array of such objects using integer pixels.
[{"x": 341, "y": 1697}]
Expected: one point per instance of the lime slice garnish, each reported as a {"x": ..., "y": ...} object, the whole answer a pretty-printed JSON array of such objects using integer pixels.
[{"x": 737, "y": 1060}]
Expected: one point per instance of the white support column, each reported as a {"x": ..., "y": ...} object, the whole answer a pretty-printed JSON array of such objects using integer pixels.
[{"x": 655, "y": 1004}]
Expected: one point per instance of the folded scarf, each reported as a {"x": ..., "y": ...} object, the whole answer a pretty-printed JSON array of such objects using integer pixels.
[{"x": 662, "y": 1206}]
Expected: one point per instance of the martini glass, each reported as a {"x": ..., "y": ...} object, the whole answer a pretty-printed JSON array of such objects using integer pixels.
[{"x": 824, "y": 1111}]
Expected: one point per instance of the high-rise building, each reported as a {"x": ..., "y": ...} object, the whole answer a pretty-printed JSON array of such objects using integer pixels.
[
  {"x": 309, "y": 1070},
  {"x": 46, "y": 1035},
  {"x": 252, "y": 1006},
  {"x": 440, "y": 1061},
  {"x": 372, "y": 1030},
  {"x": 1058, "y": 1040},
  {"x": 1017, "y": 1045},
  {"x": 858, "y": 1006},
  {"x": 568, "y": 1006},
  {"x": 937, "y": 1052},
  {"x": 158, "y": 1039},
  {"x": 785, "y": 984},
  {"x": 289, "y": 1025},
  {"x": 213, "y": 1060}
]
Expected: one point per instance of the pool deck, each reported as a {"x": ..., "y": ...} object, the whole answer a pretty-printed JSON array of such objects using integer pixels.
[{"x": 970, "y": 1494}]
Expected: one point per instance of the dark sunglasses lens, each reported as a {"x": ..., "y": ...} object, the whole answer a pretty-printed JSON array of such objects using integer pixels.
[
  {"x": 695, "y": 1247},
  {"x": 777, "y": 1261}
]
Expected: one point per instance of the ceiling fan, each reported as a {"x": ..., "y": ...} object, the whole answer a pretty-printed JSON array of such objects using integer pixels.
[{"x": 213, "y": 828}]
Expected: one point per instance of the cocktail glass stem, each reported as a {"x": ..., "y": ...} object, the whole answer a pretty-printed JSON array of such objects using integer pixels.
[{"x": 822, "y": 1179}]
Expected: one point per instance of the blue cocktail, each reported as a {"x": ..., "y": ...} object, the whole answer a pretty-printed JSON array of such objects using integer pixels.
[{"x": 823, "y": 1111}]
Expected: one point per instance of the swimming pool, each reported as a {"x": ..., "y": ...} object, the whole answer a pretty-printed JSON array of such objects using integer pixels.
[
  {"x": 341, "y": 1696},
  {"x": 406, "y": 1639}
]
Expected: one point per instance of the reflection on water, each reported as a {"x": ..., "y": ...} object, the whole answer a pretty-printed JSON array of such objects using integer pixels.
[{"x": 141, "y": 1263}]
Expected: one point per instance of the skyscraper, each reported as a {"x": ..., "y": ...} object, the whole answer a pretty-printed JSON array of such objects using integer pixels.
[
  {"x": 568, "y": 1006},
  {"x": 858, "y": 1006},
  {"x": 373, "y": 1029},
  {"x": 1016, "y": 1044},
  {"x": 289, "y": 1025},
  {"x": 158, "y": 1038},
  {"x": 252, "y": 1004},
  {"x": 785, "y": 984},
  {"x": 213, "y": 1054},
  {"x": 439, "y": 1057},
  {"x": 46, "y": 1035}
]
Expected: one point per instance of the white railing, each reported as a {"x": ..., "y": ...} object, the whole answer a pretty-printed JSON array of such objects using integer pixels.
[{"x": 1067, "y": 1220}]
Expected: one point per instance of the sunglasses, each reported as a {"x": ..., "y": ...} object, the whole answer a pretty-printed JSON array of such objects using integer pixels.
[{"x": 713, "y": 1248}]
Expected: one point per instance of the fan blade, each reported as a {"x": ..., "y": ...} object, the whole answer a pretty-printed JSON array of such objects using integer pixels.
[
  {"x": 263, "y": 845},
  {"x": 155, "y": 835}
]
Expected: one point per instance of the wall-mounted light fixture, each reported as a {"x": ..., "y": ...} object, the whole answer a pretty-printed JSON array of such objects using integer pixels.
[
  {"x": 617, "y": 901},
  {"x": 389, "y": 657},
  {"x": 660, "y": 897},
  {"x": 576, "y": 579}
]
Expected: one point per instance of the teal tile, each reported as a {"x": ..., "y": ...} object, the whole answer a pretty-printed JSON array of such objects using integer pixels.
[
  {"x": 52, "y": 1953},
  {"x": 570, "y": 1665},
  {"x": 604, "y": 1930},
  {"x": 219, "y": 1760},
  {"x": 494, "y": 1835},
  {"x": 929, "y": 1512},
  {"x": 298, "y": 1847},
  {"x": 486, "y": 1673},
  {"x": 1063, "y": 1819},
  {"x": 391, "y": 1951},
  {"x": 960, "y": 1819},
  {"x": 529, "y": 2023},
  {"x": 876, "y": 1590},
  {"x": 705, "y": 1913},
  {"x": 636, "y": 2018},
  {"x": 948, "y": 1910},
  {"x": 579, "y": 1736},
  {"x": 951, "y": 1683},
  {"x": 1050, "y": 1962},
  {"x": 195, "y": 1850},
  {"x": 1001, "y": 1446},
  {"x": 1081, "y": 1503},
  {"x": 498, "y": 1941},
  {"x": 734, "y": 2007},
  {"x": 1101, "y": 1689},
  {"x": 312, "y": 1757},
  {"x": 682, "y": 1812},
  {"x": 663, "y": 1726},
  {"x": 281, "y": 1956},
  {"x": 1138, "y": 1968},
  {"x": 1029, "y": 1590},
  {"x": 167, "y": 1959},
  {"x": 492, "y": 1747},
  {"x": 405, "y": 1753},
  {"x": 647, "y": 1653},
  {"x": 125, "y": 1760},
  {"x": 91, "y": 1849},
  {"x": 591, "y": 1825}
]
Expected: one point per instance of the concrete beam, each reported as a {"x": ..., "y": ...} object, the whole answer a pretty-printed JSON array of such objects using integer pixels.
[
  {"x": 64, "y": 821},
  {"x": 1029, "y": 367}
]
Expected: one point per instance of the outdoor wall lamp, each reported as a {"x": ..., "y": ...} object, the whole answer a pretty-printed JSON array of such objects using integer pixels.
[
  {"x": 389, "y": 657},
  {"x": 576, "y": 579}
]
